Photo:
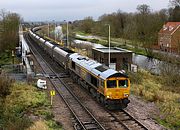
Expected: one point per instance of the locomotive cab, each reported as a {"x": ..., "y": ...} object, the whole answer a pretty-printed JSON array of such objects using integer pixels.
[
  {"x": 116, "y": 91},
  {"x": 117, "y": 88}
]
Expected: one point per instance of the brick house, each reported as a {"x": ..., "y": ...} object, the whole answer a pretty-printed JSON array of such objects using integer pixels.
[{"x": 169, "y": 37}]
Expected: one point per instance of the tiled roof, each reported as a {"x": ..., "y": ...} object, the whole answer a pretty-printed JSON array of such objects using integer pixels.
[{"x": 170, "y": 27}]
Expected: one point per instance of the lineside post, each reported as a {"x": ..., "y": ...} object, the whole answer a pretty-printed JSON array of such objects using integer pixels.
[{"x": 52, "y": 93}]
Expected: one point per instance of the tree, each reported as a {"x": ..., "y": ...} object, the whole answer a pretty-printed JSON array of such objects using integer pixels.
[
  {"x": 130, "y": 30},
  {"x": 174, "y": 11},
  {"x": 9, "y": 30},
  {"x": 174, "y": 14},
  {"x": 175, "y": 2},
  {"x": 87, "y": 24},
  {"x": 148, "y": 25},
  {"x": 142, "y": 20},
  {"x": 140, "y": 27},
  {"x": 120, "y": 22},
  {"x": 143, "y": 9},
  {"x": 163, "y": 14}
]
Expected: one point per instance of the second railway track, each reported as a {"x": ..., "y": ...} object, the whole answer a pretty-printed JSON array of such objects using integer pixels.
[{"x": 84, "y": 119}]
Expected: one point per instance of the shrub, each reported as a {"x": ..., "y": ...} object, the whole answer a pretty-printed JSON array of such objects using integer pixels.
[
  {"x": 136, "y": 78},
  {"x": 23, "y": 99},
  {"x": 14, "y": 122},
  {"x": 5, "y": 85}
]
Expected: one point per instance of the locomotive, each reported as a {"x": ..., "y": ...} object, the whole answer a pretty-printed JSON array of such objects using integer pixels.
[{"x": 110, "y": 87}]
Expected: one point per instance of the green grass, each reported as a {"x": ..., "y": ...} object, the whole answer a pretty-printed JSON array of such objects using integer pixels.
[
  {"x": 22, "y": 101},
  {"x": 153, "y": 89},
  {"x": 7, "y": 59},
  {"x": 117, "y": 42},
  {"x": 82, "y": 33}
]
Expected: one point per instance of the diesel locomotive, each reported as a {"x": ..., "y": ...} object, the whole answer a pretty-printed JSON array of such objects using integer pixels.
[{"x": 110, "y": 87}]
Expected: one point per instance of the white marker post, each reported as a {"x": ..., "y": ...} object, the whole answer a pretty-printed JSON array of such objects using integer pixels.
[{"x": 52, "y": 92}]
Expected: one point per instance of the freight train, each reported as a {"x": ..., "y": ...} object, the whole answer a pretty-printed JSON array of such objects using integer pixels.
[{"x": 111, "y": 88}]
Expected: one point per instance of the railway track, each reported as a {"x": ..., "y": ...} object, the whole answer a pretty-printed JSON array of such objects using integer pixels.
[
  {"x": 84, "y": 119},
  {"x": 127, "y": 120}
]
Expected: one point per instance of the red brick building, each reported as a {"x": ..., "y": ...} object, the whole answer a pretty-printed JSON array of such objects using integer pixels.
[{"x": 169, "y": 37}]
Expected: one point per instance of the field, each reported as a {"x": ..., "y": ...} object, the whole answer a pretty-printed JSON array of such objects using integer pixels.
[{"x": 154, "y": 89}]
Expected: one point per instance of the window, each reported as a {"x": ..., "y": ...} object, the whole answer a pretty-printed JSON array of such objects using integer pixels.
[
  {"x": 111, "y": 84},
  {"x": 101, "y": 68},
  {"x": 123, "y": 83}
]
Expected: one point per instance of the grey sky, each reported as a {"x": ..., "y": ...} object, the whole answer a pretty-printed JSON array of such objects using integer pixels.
[{"x": 47, "y": 10}]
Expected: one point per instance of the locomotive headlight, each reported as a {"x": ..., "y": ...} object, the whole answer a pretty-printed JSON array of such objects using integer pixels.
[
  {"x": 108, "y": 94},
  {"x": 126, "y": 95}
]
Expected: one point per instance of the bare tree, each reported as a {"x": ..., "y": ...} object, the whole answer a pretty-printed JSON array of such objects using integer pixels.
[
  {"x": 175, "y": 2},
  {"x": 143, "y": 9}
]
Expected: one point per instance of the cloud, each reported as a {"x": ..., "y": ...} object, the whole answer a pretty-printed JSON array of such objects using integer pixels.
[{"x": 74, "y": 9}]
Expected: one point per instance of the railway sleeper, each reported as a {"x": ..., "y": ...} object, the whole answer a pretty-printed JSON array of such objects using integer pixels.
[{"x": 90, "y": 125}]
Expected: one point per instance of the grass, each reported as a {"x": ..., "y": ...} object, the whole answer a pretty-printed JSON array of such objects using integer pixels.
[
  {"x": 117, "y": 42},
  {"x": 39, "y": 125},
  {"x": 153, "y": 89},
  {"x": 22, "y": 106},
  {"x": 6, "y": 58},
  {"x": 24, "y": 102}
]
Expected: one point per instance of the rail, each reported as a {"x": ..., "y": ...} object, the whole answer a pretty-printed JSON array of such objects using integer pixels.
[{"x": 84, "y": 118}]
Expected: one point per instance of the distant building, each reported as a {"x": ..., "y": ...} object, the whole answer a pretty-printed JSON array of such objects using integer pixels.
[
  {"x": 169, "y": 37},
  {"x": 121, "y": 59}
]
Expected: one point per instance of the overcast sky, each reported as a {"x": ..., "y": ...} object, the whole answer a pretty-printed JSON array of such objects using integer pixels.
[{"x": 59, "y": 10}]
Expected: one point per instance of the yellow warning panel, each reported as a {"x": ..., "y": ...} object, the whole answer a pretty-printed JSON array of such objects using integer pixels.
[{"x": 52, "y": 92}]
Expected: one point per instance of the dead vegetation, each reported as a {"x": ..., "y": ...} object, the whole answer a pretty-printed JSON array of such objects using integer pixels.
[{"x": 154, "y": 88}]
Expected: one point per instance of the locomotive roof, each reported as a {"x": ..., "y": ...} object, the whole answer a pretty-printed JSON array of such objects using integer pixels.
[{"x": 95, "y": 67}]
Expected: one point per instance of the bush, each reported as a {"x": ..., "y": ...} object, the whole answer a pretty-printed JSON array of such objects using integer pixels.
[
  {"x": 170, "y": 73},
  {"x": 23, "y": 100},
  {"x": 14, "y": 122},
  {"x": 136, "y": 78},
  {"x": 5, "y": 85}
]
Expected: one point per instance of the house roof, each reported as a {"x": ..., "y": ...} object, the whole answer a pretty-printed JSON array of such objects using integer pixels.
[{"x": 170, "y": 27}]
